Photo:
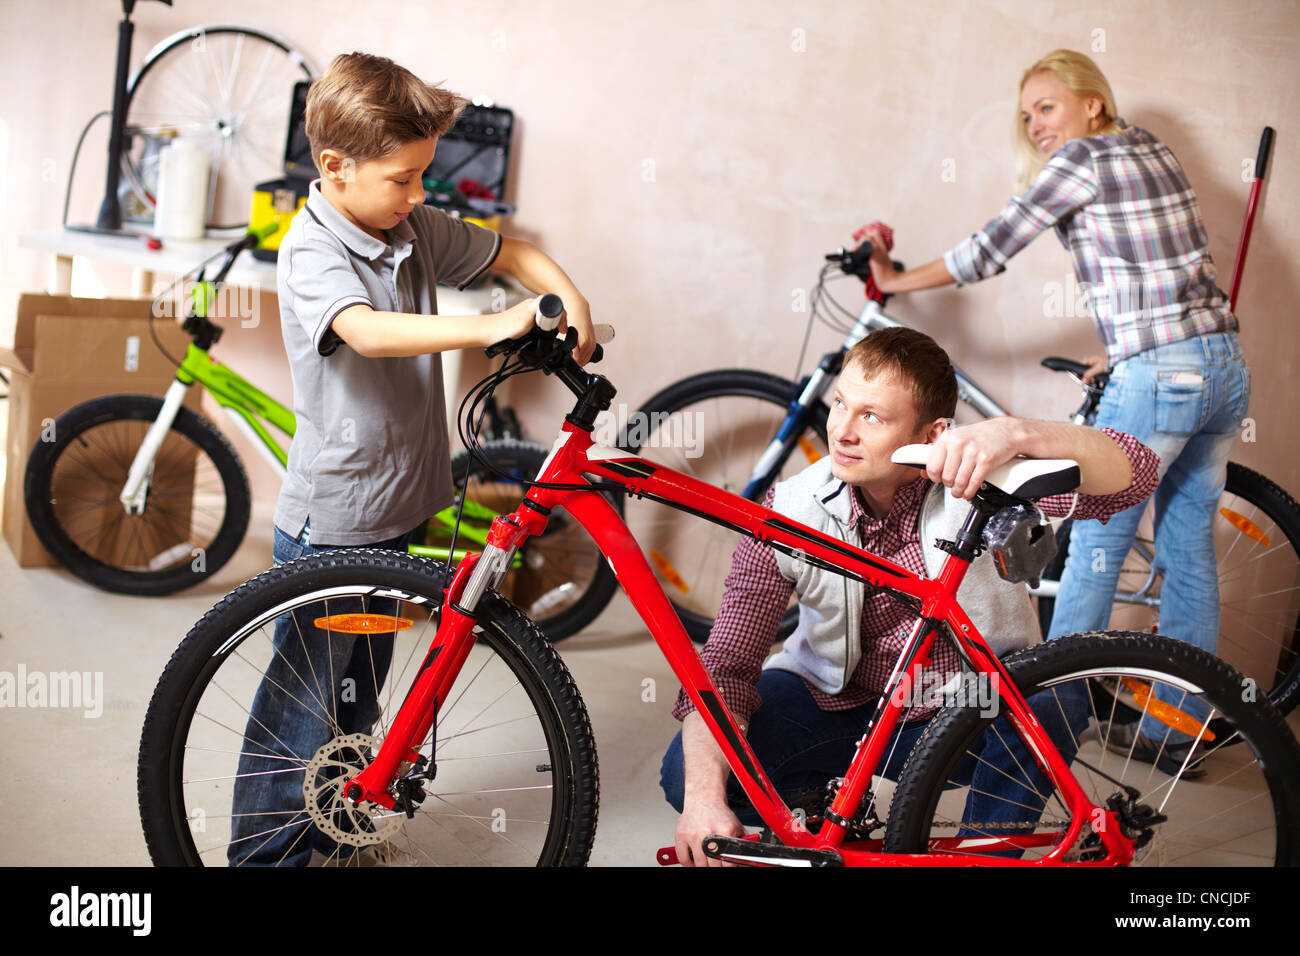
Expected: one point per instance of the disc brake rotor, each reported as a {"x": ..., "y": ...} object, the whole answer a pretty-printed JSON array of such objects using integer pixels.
[{"x": 334, "y": 814}]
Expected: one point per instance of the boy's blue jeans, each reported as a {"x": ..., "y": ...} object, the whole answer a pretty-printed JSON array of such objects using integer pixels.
[
  {"x": 302, "y": 703},
  {"x": 1155, "y": 397}
]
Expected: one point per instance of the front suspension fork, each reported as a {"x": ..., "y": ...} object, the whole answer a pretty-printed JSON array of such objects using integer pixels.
[
  {"x": 136, "y": 490},
  {"x": 446, "y": 656}
]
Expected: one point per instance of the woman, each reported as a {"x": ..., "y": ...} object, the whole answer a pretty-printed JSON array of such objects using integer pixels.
[{"x": 1121, "y": 205}]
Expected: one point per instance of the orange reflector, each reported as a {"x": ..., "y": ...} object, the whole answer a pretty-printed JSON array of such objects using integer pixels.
[
  {"x": 1245, "y": 526},
  {"x": 1166, "y": 713},
  {"x": 363, "y": 623},
  {"x": 668, "y": 571},
  {"x": 809, "y": 452}
]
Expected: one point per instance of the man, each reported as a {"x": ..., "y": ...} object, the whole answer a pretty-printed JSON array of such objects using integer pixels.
[{"x": 897, "y": 388}]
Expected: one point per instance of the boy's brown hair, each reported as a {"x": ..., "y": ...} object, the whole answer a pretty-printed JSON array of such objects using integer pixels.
[
  {"x": 367, "y": 106},
  {"x": 918, "y": 360}
]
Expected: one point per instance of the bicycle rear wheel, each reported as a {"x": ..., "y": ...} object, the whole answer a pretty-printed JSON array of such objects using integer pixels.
[
  {"x": 1257, "y": 545},
  {"x": 226, "y": 88},
  {"x": 562, "y": 581},
  {"x": 1243, "y": 810},
  {"x": 194, "y": 517},
  {"x": 714, "y": 427},
  {"x": 249, "y": 738}
]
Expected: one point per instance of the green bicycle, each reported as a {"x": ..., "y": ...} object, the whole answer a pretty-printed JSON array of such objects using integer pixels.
[{"x": 138, "y": 494}]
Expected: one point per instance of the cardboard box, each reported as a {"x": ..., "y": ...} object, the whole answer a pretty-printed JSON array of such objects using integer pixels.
[{"x": 67, "y": 351}]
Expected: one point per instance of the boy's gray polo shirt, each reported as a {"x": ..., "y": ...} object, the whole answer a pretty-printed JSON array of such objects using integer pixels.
[{"x": 370, "y": 459}]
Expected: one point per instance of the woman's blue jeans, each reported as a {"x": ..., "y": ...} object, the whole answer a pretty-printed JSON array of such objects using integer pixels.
[
  {"x": 318, "y": 685},
  {"x": 1186, "y": 402}
]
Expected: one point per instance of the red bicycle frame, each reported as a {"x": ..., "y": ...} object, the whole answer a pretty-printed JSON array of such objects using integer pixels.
[{"x": 574, "y": 456}]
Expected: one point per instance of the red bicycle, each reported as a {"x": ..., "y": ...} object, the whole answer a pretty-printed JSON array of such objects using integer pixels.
[{"x": 457, "y": 736}]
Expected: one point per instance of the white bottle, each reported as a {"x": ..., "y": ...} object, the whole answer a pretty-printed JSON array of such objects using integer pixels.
[{"x": 182, "y": 207}]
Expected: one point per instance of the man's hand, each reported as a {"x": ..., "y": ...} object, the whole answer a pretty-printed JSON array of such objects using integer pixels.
[
  {"x": 699, "y": 820},
  {"x": 704, "y": 802},
  {"x": 961, "y": 458}
]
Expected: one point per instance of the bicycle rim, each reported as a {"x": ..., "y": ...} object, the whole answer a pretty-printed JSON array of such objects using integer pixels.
[
  {"x": 560, "y": 579},
  {"x": 228, "y": 89},
  {"x": 503, "y": 793},
  {"x": 184, "y": 512},
  {"x": 1257, "y": 551},
  {"x": 970, "y": 778}
]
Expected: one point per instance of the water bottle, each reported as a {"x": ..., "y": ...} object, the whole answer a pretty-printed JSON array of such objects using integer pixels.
[{"x": 183, "y": 171}]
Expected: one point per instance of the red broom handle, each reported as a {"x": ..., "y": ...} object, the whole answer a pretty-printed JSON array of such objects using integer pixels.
[{"x": 1261, "y": 164}]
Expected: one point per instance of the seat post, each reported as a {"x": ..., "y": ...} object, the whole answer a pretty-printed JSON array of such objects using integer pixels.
[{"x": 969, "y": 543}]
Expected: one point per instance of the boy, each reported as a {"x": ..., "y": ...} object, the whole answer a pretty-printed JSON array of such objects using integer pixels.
[
  {"x": 897, "y": 388},
  {"x": 370, "y": 459}
]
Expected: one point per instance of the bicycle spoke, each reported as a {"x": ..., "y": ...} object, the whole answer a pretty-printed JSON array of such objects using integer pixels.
[{"x": 1210, "y": 801}]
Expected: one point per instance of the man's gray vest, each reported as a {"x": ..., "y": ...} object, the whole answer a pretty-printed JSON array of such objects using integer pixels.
[{"x": 826, "y": 646}]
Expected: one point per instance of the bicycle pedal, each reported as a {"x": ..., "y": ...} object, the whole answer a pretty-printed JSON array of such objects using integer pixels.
[{"x": 740, "y": 850}]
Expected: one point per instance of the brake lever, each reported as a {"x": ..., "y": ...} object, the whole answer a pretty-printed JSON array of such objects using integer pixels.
[
  {"x": 1096, "y": 386},
  {"x": 511, "y": 345}
]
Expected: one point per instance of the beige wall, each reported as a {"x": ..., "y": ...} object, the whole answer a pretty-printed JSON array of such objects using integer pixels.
[{"x": 771, "y": 130}]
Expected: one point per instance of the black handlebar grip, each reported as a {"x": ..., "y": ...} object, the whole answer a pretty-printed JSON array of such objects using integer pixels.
[
  {"x": 549, "y": 310},
  {"x": 1265, "y": 147}
]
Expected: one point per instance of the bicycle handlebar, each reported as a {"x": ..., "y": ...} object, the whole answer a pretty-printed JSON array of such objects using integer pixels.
[
  {"x": 1265, "y": 147},
  {"x": 544, "y": 347},
  {"x": 550, "y": 309},
  {"x": 857, "y": 261},
  {"x": 249, "y": 240}
]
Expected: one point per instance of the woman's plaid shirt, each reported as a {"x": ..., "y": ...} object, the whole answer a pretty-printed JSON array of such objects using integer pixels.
[{"x": 1122, "y": 206}]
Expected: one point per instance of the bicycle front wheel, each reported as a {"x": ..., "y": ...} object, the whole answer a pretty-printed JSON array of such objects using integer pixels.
[
  {"x": 1257, "y": 549},
  {"x": 714, "y": 427},
  {"x": 251, "y": 734},
  {"x": 561, "y": 581},
  {"x": 194, "y": 517},
  {"x": 1227, "y": 801}
]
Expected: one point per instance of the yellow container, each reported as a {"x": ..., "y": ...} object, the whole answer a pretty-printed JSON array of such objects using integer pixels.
[{"x": 276, "y": 201}]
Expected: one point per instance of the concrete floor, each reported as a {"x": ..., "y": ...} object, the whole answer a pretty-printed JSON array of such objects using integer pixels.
[
  {"x": 78, "y": 773},
  {"x": 72, "y": 777}
]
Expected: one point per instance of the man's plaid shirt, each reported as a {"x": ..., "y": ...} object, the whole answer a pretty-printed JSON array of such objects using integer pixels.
[
  {"x": 1122, "y": 206},
  {"x": 756, "y": 594}
]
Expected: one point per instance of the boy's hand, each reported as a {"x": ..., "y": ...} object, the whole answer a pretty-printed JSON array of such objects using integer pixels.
[
  {"x": 578, "y": 315},
  {"x": 515, "y": 322},
  {"x": 537, "y": 272}
]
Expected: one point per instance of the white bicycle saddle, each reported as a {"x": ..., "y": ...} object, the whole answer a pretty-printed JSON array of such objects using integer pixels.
[{"x": 1023, "y": 477}]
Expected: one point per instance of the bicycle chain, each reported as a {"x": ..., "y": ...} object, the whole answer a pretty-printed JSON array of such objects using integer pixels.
[{"x": 1000, "y": 825}]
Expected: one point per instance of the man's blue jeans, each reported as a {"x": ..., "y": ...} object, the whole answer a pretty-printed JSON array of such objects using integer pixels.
[
  {"x": 318, "y": 685},
  {"x": 1186, "y": 402},
  {"x": 801, "y": 747}
]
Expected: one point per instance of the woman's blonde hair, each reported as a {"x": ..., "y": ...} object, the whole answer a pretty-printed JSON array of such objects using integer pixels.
[{"x": 1080, "y": 76}]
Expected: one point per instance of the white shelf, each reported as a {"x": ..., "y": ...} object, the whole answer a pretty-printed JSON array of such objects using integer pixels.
[{"x": 174, "y": 258}]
